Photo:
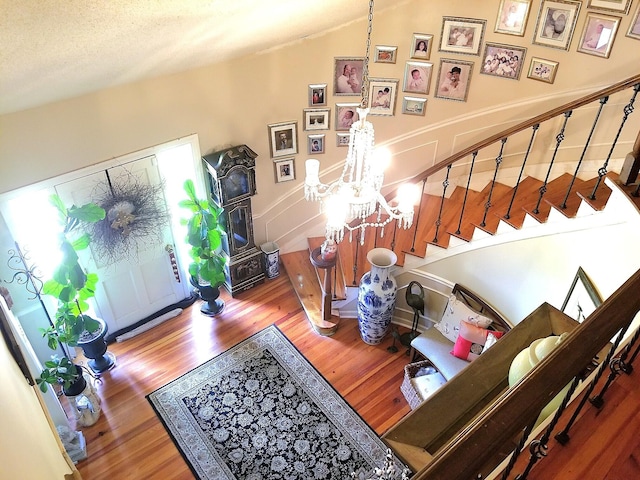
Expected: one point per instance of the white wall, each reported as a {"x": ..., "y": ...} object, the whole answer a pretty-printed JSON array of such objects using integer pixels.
[{"x": 516, "y": 277}]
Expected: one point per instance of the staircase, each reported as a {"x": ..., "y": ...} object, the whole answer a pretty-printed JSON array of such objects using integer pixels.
[{"x": 465, "y": 212}]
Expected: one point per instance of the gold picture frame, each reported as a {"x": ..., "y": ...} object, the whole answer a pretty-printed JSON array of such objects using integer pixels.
[
  {"x": 512, "y": 17},
  {"x": 542, "y": 70},
  {"x": 556, "y": 23},
  {"x": 618, "y": 6},
  {"x": 598, "y": 34},
  {"x": 634, "y": 25},
  {"x": 421, "y": 46},
  {"x": 449, "y": 87},
  {"x": 414, "y": 106},
  {"x": 462, "y": 35},
  {"x": 283, "y": 139},
  {"x": 385, "y": 54},
  {"x": 285, "y": 170}
]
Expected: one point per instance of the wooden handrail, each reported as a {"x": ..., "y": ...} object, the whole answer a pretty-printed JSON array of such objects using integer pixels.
[
  {"x": 465, "y": 455},
  {"x": 580, "y": 102}
]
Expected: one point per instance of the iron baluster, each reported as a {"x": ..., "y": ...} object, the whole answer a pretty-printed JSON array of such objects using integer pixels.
[
  {"x": 355, "y": 260},
  {"x": 395, "y": 232},
  {"x": 563, "y": 436},
  {"x": 417, "y": 219},
  {"x": 627, "y": 110},
  {"x": 445, "y": 184},
  {"x": 559, "y": 139},
  {"x": 526, "y": 156},
  {"x": 538, "y": 448},
  {"x": 466, "y": 192},
  {"x": 616, "y": 366},
  {"x": 516, "y": 451},
  {"x": 629, "y": 365},
  {"x": 603, "y": 101},
  {"x": 487, "y": 205}
]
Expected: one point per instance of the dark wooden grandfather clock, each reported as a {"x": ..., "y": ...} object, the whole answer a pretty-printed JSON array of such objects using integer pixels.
[{"x": 231, "y": 179}]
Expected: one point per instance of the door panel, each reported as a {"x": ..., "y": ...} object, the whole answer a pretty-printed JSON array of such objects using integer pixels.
[{"x": 136, "y": 276}]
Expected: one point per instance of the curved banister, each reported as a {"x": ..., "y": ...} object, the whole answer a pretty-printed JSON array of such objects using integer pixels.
[{"x": 580, "y": 102}]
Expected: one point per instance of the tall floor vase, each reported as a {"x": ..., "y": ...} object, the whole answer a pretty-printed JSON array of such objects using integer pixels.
[{"x": 377, "y": 296}]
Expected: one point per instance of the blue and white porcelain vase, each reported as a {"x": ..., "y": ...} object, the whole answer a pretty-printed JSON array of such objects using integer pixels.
[{"x": 377, "y": 296}]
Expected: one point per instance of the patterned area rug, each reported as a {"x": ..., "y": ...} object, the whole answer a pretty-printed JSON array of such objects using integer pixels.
[{"x": 260, "y": 410}]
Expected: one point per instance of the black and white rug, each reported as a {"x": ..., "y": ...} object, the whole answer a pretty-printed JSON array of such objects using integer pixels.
[{"x": 260, "y": 410}]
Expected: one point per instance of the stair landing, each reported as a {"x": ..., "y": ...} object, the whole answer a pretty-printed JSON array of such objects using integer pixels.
[{"x": 304, "y": 278}]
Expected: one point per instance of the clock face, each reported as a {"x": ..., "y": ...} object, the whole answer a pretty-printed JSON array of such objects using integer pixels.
[{"x": 235, "y": 184}]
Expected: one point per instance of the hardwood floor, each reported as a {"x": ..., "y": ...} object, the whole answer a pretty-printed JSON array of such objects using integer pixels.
[{"x": 129, "y": 442}]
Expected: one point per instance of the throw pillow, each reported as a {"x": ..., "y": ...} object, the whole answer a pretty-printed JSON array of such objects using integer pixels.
[
  {"x": 473, "y": 341},
  {"x": 455, "y": 312}
]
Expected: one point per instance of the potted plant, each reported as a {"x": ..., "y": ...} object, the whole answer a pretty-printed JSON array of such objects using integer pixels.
[
  {"x": 204, "y": 234},
  {"x": 72, "y": 287}
]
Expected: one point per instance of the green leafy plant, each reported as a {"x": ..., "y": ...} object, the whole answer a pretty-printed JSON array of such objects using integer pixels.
[
  {"x": 58, "y": 371},
  {"x": 72, "y": 286},
  {"x": 204, "y": 234}
]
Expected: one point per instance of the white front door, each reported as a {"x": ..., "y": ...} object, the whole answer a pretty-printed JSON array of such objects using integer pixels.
[{"x": 131, "y": 251}]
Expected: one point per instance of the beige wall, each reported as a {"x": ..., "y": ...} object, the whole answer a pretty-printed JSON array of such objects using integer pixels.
[
  {"x": 29, "y": 448},
  {"x": 233, "y": 102}
]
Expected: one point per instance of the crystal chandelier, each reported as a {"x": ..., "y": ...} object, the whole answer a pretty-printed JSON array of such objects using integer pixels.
[{"x": 356, "y": 194}]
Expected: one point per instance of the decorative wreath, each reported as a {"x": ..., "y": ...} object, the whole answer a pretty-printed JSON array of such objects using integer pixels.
[{"x": 135, "y": 215}]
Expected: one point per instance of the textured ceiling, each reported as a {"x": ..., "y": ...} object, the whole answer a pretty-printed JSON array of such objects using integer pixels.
[{"x": 56, "y": 49}]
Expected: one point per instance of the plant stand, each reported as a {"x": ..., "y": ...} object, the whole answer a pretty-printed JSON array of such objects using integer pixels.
[
  {"x": 95, "y": 349},
  {"x": 213, "y": 304},
  {"x": 85, "y": 402}
]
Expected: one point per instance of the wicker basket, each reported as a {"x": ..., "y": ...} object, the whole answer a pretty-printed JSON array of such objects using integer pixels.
[{"x": 408, "y": 390}]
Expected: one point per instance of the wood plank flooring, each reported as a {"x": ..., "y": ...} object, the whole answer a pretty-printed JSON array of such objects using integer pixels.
[{"x": 129, "y": 442}]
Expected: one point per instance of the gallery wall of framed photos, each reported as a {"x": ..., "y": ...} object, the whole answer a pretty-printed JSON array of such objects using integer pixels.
[{"x": 458, "y": 56}]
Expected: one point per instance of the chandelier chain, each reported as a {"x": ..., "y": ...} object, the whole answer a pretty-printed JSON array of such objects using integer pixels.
[{"x": 365, "y": 65}]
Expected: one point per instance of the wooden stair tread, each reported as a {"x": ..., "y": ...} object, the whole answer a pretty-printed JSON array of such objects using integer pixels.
[
  {"x": 304, "y": 280},
  {"x": 602, "y": 194},
  {"x": 555, "y": 192},
  {"x": 527, "y": 194},
  {"x": 490, "y": 222}
]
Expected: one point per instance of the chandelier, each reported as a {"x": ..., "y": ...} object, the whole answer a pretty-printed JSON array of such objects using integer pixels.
[{"x": 356, "y": 194}]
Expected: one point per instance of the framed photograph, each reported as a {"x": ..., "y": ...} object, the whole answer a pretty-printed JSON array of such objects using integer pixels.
[
  {"x": 414, "y": 105},
  {"x": 583, "y": 297},
  {"x": 316, "y": 118},
  {"x": 543, "y": 70},
  {"x": 342, "y": 139},
  {"x": 503, "y": 60},
  {"x": 619, "y": 6},
  {"x": 285, "y": 170},
  {"x": 512, "y": 17},
  {"x": 382, "y": 96},
  {"x": 283, "y": 139},
  {"x": 454, "y": 77},
  {"x": 346, "y": 115},
  {"x": 348, "y": 76},
  {"x": 421, "y": 46},
  {"x": 385, "y": 54},
  {"x": 556, "y": 23},
  {"x": 318, "y": 95},
  {"x": 598, "y": 34},
  {"x": 315, "y": 143},
  {"x": 634, "y": 26},
  {"x": 417, "y": 77},
  {"x": 461, "y": 35}
]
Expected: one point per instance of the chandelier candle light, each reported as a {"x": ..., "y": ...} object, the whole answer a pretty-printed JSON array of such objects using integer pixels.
[{"x": 356, "y": 194}]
